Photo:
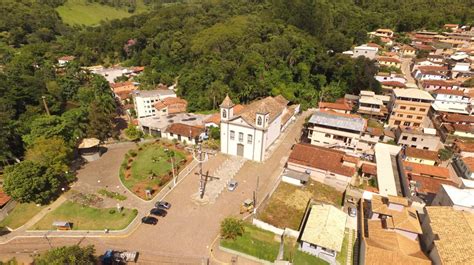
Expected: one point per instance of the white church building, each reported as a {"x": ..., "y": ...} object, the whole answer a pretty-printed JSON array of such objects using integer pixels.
[{"x": 256, "y": 127}]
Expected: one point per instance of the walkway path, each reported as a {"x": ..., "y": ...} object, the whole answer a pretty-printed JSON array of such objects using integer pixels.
[
  {"x": 349, "y": 248},
  {"x": 406, "y": 62}
]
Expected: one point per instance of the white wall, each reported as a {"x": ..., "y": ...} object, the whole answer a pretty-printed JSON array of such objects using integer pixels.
[
  {"x": 273, "y": 131},
  {"x": 291, "y": 181}
]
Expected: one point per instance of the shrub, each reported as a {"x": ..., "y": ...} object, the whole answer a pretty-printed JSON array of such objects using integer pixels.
[
  {"x": 132, "y": 153},
  {"x": 112, "y": 211},
  {"x": 231, "y": 228}
]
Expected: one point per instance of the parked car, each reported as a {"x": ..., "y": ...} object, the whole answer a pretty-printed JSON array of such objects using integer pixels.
[
  {"x": 163, "y": 204},
  {"x": 232, "y": 185},
  {"x": 119, "y": 257},
  {"x": 150, "y": 220},
  {"x": 352, "y": 211},
  {"x": 158, "y": 212}
]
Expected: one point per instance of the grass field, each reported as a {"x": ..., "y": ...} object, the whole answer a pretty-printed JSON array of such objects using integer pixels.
[
  {"x": 342, "y": 257},
  {"x": 265, "y": 245},
  {"x": 87, "y": 218},
  {"x": 288, "y": 203},
  {"x": 78, "y": 12},
  {"x": 20, "y": 215}
]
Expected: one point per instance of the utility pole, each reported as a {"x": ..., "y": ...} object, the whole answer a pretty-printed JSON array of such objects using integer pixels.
[
  {"x": 255, "y": 193},
  {"x": 45, "y": 105}
]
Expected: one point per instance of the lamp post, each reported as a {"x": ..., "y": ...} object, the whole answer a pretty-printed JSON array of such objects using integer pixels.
[{"x": 171, "y": 155}]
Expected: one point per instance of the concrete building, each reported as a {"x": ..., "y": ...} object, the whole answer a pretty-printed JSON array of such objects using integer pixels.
[
  {"x": 425, "y": 139},
  {"x": 420, "y": 156},
  {"x": 451, "y": 101},
  {"x": 366, "y": 51},
  {"x": 409, "y": 107},
  {"x": 144, "y": 101},
  {"x": 390, "y": 232},
  {"x": 389, "y": 62},
  {"x": 184, "y": 133},
  {"x": 432, "y": 85},
  {"x": 388, "y": 175},
  {"x": 251, "y": 132},
  {"x": 341, "y": 106},
  {"x": 448, "y": 234},
  {"x": 373, "y": 105},
  {"x": 454, "y": 126},
  {"x": 464, "y": 166},
  {"x": 336, "y": 130},
  {"x": 169, "y": 106},
  {"x": 323, "y": 232},
  {"x": 324, "y": 165},
  {"x": 458, "y": 198}
]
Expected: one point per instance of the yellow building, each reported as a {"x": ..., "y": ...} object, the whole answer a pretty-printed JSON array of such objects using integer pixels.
[{"x": 409, "y": 107}]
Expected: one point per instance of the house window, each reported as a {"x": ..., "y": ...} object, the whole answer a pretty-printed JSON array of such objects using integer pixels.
[
  {"x": 410, "y": 116},
  {"x": 171, "y": 134},
  {"x": 405, "y": 138},
  {"x": 425, "y": 148},
  {"x": 232, "y": 135},
  {"x": 327, "y": 135},
  {"x": 241, "y": 137},
  {"x": 416, "y": 124},
  {"x": 419, "y": 117},
  {"x": 414, "y": 139},
  {"x": 403, "y": 107},
  {"x": 397, "y": 123},
  {"x": 412, "y": 108},
  {"x": 259, "y": 120},
  {"x": 422, "y": 110},
  {"x": 399, "y": 115},
  {"x": 407, "y": 123},
  {"x": 249, "y": 138},
  {"x": 224, "y": 114}
]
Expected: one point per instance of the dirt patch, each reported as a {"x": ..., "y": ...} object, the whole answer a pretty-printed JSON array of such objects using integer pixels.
[{"x": 298, "y": 199}]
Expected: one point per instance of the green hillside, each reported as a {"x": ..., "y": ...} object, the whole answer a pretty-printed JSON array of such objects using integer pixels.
[{"x": 79, "y": 12}]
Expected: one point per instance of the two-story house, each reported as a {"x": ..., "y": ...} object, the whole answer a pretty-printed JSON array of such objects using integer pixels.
[{"x": 451, "y": 101}]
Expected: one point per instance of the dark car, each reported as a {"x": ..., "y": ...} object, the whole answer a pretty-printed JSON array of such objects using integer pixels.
[
  {"x": 163, "y": 204},
  {"x": 158, "y": 212},
  {"x": 149, "y": 220}
]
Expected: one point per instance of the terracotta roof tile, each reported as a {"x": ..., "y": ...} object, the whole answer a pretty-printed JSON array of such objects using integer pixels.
[
  {"x": 227, "y": 102},
  {"x": 4, "y": 198},
  {"x": 457, "y": 118},
  {"x": 388, "y": 59},
  {"x": 335, "y": 105},
  {"x": 273, "y": 106},
  {"x": 469, "y": 162},
  {"x": 320, "y": 158},
  {"x": 433, "y": 68},
  {"x": 393, "y": 84},
  {"x": 216, "y": 117},
  {"x": 369, "y": 169},
  {"x": 174, "y": 105},
  {"x": 464, "y": 146},
  {"x": 449, "y": 92},
  {"x": 420, "y": 153},
  {"x": 185, "y": 130},
  {"x": 427, "y": 170}
]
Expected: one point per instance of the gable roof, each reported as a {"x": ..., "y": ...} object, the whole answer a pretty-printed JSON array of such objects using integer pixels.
[
  {"x": 216, "y": 117},
  {"x": 427, "y": 170},
  {"x": 273, "y": 106},
  {"x": 420, "y": 153},
  {"x": 325, "y": 227},
  {"x": 185, "y": 130},
  {"x": 335, "y": 105},
  {"x": 174, "y": 105},
  {"x": 449, "y": 92},
  {"x": 464, "y": 146},
  {"x": 320, "y": 158}
]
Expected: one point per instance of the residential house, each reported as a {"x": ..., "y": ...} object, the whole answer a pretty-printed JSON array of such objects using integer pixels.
[
  {"x": 448, "y": 234},
  {"x": 323, "y": 232},
  {"x": 409, "y": 107},
  {"x": 436, "y": 58},
  {"x": 144, "y": 101},
  {"x": 451, "y": 101},
  {"x": 452, "y": 126},
  {"x": 366, "y": 51},
  {"x": 461, "y": 70},
  {"x": 251, "y": 132},
  {"x": 458, "y": 198},
  {"x": 424, "y": 181},
  {"x": 464, "y": 167},
  {"x": 341, "y": 106},
  {"x": 390, "y": 85},
  {"x": 389, "y": 62},
  {"x": 123, "y": 90},
  {"x": 432, "y": 85},
  {"x": 184, "y": 133},
  {"x": 389, "y": 232},
  {"x": 368, "y": 171},
  {"x": 337, "y": 130},
  {"x": 464, "y": 149},
  {"x": 388, "y": 175},
  {"x": 425, "y": 139},
  {"x": 430, "y": 73},
  {"x": 408, "y": 51},
  {"x": 390, "y": 77},
  {"x": 157, "y": 125},
  {"x": 64, "y": 60},
  {"x": 324, "y": 165},
  {"x": 383, "y": 33},
  {"x": 420, "y": 156},
  {"x": 168, "y": 106},
  {"x": 373, "y": 105}
]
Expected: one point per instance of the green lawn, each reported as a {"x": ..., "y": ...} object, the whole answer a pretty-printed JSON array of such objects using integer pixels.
[
  {"x": 374, "y": 124},
  {"x": 79, "y": 12},
  {"x": 288, "y": 203},
  {"x": 265, "y": 245},
  {"x": 20, "y": 215},
  {"x": 150, "y": 168},
  {"x": 87, "y": 218},
  {"x": 342, "y": 256}
]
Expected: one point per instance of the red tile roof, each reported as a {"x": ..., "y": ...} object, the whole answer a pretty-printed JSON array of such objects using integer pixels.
[
  {"x": 433, "y": 68},
  {"x": 449, "y": 92},
  {"x": 393, "y": 84},
  {"x": 388, "y": 59},
  {"x": 185, "y": 130},
  {"x": 216, "y": 117},
  {"x": 320, "y": 158},
  {"x": 457, "y": 118},
  {"x": 464, "y": 146},
  {"x": 174, "y": 105},
  {"x": 426, "y": 170},
  {"x": 420, "y": 153},
  {"x": 440, "y": 83},
  {"x": 369, "y": 169},
  {"x": 335, "y": 105},
  {"x": 4, "y": 198},
  {"x": 469, "y": 162}
]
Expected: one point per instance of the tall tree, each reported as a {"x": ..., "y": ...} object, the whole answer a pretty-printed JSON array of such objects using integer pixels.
[{"x": 73, "y": 255}]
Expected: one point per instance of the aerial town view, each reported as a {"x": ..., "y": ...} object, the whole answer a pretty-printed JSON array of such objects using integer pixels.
[{"x": 303, "y": 132}]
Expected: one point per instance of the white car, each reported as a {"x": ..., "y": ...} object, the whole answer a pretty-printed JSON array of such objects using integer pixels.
[{"x": 232, "y": 185}]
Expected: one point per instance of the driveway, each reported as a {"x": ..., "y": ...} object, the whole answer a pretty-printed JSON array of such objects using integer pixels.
[{"x": 189, "y": 230}]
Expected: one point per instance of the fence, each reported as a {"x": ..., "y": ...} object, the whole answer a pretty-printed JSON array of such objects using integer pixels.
[
  {"x": 7, "y": 209},
  {"x": 278, "y": 231}
]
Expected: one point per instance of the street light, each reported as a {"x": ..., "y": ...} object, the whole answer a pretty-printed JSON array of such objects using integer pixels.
[{"x": 169, "y": 152}]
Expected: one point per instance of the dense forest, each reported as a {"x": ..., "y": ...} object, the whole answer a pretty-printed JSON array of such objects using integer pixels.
[{"x": 248, "y": 49}]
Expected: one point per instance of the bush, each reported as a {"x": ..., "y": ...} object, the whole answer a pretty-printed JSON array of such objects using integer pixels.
[
  {"x": 132, "y": 153},
  {"x": 231, "y": 228},
  {"x": 445, "y": 154},
  {"x": 112, "y": 211}
]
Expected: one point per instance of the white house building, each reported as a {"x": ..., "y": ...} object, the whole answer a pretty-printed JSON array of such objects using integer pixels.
[
  {"x": 144, "y": 101},
  {"x": 451, "y": 101},
  {"x": 255, "y": 128},
  {"x": 366, "y": 51}
]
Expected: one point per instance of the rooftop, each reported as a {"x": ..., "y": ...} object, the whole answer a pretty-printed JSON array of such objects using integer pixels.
[
  {"x": 455, "y": 234},
  {"x": 174, "y": 105},
  {"x": 339, "y": 120},
  {"x": 335, "y": 105},
  {"x": 469, "y": 162},
  {"x": 427, "y": 170},
  {"x": 412, "y": 93},
  {"x": 161, "y": 122},
  {"x": 185, "y": 130},
  {"x": 273, "y": 106},
  {"x": 464, "y": 146},
  {"x": 154, "y": 93},
  {"x": 461, "y": 197},
  {"x": 386, "y": 171},
  {"x": 325, "y": 227},
  {"x": 420, "y": 153},
  {"x": 449, "y": 92},
  {"x": 320, "y": 158},
  {"x": 369, "y": 169}
]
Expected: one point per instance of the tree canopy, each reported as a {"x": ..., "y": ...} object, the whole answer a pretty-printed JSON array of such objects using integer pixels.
[{"x": 73, "y": 255}]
